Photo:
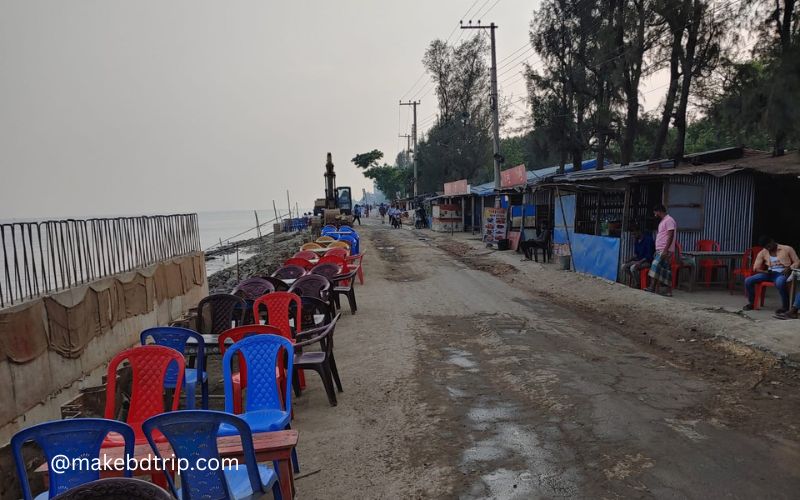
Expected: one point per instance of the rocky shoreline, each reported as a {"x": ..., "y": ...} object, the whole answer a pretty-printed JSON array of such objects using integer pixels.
[{"x": 270, "y": 252}]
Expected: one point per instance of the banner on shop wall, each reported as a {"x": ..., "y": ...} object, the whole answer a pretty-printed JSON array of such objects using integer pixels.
[
  {"x": 515, "y": 176},
  {"x": 456, "y": 188},
  {"x": 495, "y": 224}
]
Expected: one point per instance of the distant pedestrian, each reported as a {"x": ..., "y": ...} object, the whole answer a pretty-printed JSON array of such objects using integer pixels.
[
  {"x": 666, "y": 239},
  {"x": 382, "y": 210},
  {"x": 357, "y": 214}
]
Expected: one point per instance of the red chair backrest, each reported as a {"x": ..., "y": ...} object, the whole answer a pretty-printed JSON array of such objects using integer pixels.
[
  {"x": 707, "y": 246},
  {"x": 305, "y": 254},
  {"x": 279, "y": 311},
  {"x": 296, "y": 261},
  {"x": 333, "y": 259},
  {"x": 237, "y": 334},
  {"x": 240, "y": 332},
  {"x": 149, "y": 365},
  {"x": 338, "y": 252}
]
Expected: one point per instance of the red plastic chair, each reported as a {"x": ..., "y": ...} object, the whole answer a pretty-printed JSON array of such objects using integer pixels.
[
  {"x": 281, "y": 308},
  {"x": 239, "y": 379},
  {"x": 149, "y": 368},
  {"x": 357, "y": 262},
  {"x": 644, "y": 274},
  {"x": 677, "y": 264},
  {"x": 296, "y": 261},
  {"x": 341, "y": 252},
  {"x": 761, "y": 294},
  {"x": 708, "y": 265},
  {"x": 745, "y": 270},
  {"x": 279, "y": 311},
  {"x": 305, "y": 254}
]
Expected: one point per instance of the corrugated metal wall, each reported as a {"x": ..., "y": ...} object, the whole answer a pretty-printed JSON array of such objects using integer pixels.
[
  {"x": 728, "y": 205},
  {"x": 728, "y": 213}
]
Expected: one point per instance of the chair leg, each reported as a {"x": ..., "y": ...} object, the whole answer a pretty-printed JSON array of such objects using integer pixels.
[
  {"x": 276, "y": 490},
  {"x": 351, "y": 298},
  {"x": 204, "y": 396},
  {"x": 190, "y": 397},
  {"x": 335, "y": 374},
  {"x": 296, "y": 382},
  {"x": 325, "y": 373},
  {"x": 360, "y": 274},
  {"x": 295, "y": 461},
  {"x": 237, "y": 397}
]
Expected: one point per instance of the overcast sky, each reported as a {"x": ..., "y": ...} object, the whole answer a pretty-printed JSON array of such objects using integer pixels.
[{"x": 126, "y": 107}]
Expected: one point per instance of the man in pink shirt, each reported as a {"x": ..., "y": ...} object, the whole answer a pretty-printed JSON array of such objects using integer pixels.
[{"x": 661, "y": 268}]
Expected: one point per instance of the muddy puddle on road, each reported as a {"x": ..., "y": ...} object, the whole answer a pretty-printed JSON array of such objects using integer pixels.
[
  {"x": 494, "y": 441},
  {"x": 539, "y": 407},
  {"x": 391, "y": 250}
]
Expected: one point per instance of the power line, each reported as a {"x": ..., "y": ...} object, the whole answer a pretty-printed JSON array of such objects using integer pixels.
[{"x": 424, "y": 71}]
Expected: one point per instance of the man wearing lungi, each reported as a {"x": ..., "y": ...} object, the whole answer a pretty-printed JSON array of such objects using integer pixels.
[{"x": 661, "y": 268}]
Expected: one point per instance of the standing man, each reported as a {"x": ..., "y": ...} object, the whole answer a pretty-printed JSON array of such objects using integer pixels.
[
  {"x": 774, "y": 264},
  {"x": 643, "y": 252},
  {"x": 357, "y": 214},
  {"x": 661, "y": 268},
  {"x": 382, "y": 210}
]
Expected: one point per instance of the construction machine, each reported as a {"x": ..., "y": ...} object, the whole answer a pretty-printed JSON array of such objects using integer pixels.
[{"x": 337, "y": 206}]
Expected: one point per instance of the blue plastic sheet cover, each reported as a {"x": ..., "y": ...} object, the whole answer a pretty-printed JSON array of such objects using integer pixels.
[{"x": 595, "y": 255}]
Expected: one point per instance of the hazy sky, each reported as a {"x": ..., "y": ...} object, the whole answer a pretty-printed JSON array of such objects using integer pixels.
[{"x": 125, "y": 107}]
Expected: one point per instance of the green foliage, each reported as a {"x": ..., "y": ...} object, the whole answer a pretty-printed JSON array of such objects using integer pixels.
[
  {"x": 367, "y": 160},
  {"x": 393, "y": 181},
  {"x": 453, "y": 150}
]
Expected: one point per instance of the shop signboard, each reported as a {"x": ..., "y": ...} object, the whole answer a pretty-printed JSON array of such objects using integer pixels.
[
  {"x": 456, "y": 188},
  {"x": 495, "y": 225},
  {"x": 515, "y": 176}
]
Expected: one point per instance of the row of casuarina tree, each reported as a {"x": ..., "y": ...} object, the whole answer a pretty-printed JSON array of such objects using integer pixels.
[{"x": 733, "y": 70}]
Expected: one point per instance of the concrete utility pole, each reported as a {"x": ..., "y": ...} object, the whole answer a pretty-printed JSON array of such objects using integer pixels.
[
  {"x": 408, "y": 147},
  {"x": 493, "y": 101},
  {"x": 414, "y": 135}
]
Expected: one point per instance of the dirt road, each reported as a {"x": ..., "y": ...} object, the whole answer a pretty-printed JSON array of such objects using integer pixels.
[{"x": 460, "y": 382}]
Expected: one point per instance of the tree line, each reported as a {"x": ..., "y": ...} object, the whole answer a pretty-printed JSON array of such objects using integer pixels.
[{"x": 732, "y": 70}]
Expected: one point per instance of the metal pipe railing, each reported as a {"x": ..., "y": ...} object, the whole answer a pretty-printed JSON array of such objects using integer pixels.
[{"x": 43, "y": 257}]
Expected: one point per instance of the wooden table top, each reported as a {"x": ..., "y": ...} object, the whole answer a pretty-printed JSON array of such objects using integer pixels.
[{"x": 229, "y": 446}]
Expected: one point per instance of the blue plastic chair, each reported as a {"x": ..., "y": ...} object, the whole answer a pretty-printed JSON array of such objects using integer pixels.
[
  {"x": 79, "y": 438},
  {"x": 352, "y": 240},
  {"x": 264, "y": 409},
  {"x": 176, "y": 338},
  {"x": 192, "y": 434}
]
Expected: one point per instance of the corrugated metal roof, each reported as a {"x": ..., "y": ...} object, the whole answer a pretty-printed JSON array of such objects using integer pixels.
[
  {"x": 535, "y": 176},
  {"x": 758, "y": 161}
]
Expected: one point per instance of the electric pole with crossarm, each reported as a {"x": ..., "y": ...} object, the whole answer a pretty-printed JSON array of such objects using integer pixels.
[
  {"x": 493, "y": 101},
  {"x": 414, "y": 135}
]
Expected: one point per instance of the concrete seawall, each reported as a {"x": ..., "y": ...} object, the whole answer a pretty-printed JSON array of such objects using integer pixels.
[{"x": 54, "y": 346}]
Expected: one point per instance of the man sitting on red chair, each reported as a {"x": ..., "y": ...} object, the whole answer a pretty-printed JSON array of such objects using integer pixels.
[
  {"x": 773, "y": 264},
  {"x": 644, "y": 250}
]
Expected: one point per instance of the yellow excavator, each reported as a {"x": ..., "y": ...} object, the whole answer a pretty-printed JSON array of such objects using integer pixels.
[{"x": 337, "y": 206}]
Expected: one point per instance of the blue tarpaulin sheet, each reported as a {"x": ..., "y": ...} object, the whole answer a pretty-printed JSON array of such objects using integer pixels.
[{"x": 595, "y": 255}]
